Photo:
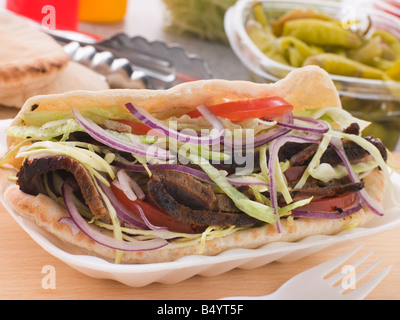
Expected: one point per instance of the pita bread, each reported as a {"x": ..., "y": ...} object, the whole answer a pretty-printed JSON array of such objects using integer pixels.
[
  {"x": 33, "y": 63},
  {"x": 298, "y": 88},
  {"x": 73, "y": 77},
  {"x": 29, "y": 59}
]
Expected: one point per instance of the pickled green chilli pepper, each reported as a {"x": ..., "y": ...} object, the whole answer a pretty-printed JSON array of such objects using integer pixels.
[
  {"x": 321, "y": 33},
  {"x": 305, "y": 36},
  {"x": 336, "y": 64}
]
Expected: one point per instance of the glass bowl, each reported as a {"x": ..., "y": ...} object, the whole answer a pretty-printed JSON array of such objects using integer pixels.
[{"x": 373, "y": 100}]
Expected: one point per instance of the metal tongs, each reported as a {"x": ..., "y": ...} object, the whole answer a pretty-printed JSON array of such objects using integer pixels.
[{"x": 115, "y": 54}]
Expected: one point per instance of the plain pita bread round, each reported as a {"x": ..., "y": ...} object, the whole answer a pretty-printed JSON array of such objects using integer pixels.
[
  {"x": 29, "y": 59},
  {"x": 73, "y": 77},
  {"x": 32, "y": 63}
]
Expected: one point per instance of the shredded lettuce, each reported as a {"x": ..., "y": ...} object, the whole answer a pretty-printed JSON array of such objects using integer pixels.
[
  {"x": 39, "y": 117},
  {"x": 281, "y": 183},
  {"x": 326, "y": 172},
  {"x": 252, "y": 208},
  {"x": 263, "y": 163},
  {"x": 203, "y": 151},
  {"x": 315, "y": 161},
  {"x": 114, "y": 219},
  {"x": 13, "y": 151},
  {"x": 57, "y": 182},
  {"x": 284, "y": 211},
  {"x": 176, "y": 239},
  {"x": 366, "y": 145},
  {"x": 334, "y": 116},
  {"x": 372, "y": 150},
  {"x": 91, "y": 160},
  {"x": 47, "y": 131},
  {"x": 148, "y": 139}
]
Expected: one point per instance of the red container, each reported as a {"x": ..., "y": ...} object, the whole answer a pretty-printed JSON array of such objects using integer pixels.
[{"x": 53, "y": 14}]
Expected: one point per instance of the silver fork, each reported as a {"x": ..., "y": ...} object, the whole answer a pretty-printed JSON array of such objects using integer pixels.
[{"x": 312, "y": 284}]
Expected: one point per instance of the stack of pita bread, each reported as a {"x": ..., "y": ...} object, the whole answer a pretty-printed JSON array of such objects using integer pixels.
[{"x": 33, "y": 63}]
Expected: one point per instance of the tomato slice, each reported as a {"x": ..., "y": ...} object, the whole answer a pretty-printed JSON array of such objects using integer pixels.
[
  {"x": 153, "y": 214},
  {"x": 246, "y": 109},
  {"x": 138, "y": 128},
  {"x": 332, "y": 204}
]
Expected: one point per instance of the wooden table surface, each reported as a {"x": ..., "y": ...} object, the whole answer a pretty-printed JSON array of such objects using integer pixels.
[{"x": 22, "y": 260}]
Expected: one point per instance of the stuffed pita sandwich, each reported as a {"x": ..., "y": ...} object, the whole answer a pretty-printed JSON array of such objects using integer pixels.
[{"x": 142, "y": 176}]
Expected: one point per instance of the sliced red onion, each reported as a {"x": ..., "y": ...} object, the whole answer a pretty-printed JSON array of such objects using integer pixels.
[
  {"x": 258, "y": 140},
  {"x": 215, "y": 136},
  {"x": 369, "y": 201},
  {"x": 130, "y": 187},
  {"x": 273, "y": 156},
  {"x": 136, "y": 147},
  {"x": 320, "y": 126},
  {"x": 286, "y": 118},
  {"x": 123, "y": 213},
  {"x": 298, "y": 213},
  {"x": 126, "y": 215},
  {"x": 148, "y": 223},
  {"x": 102, "y": 238},
  {"x": 126, "y": 183},
  {"x": 261, "y": 139}
]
